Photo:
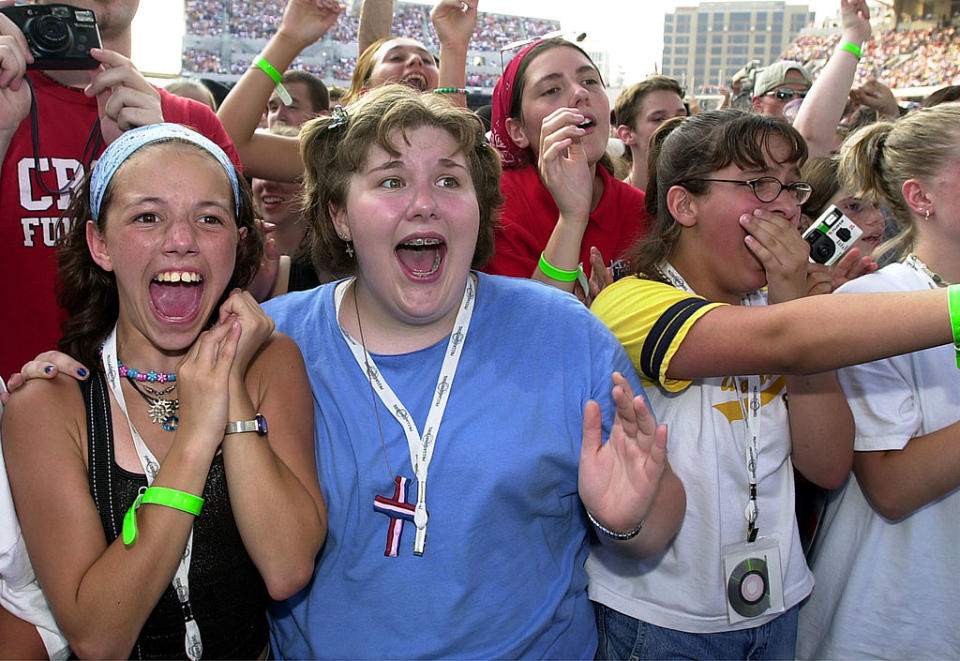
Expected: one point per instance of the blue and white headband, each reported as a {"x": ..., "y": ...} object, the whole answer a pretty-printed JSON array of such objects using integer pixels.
[{"x": 132, "y": 140}]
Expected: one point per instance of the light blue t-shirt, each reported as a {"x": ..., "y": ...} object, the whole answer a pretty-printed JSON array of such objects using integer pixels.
[{"x": 502, "y": 574}]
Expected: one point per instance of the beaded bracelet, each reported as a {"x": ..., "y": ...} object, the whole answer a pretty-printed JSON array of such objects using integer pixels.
[
  {"x": 852, "y": 48},
  {"x": 450, "y": 90},
  {"x": 552, "y": 271},
  {"x": 179, "y": 500},
  {"x": 953, "y": 305},
  {"x": 622, "y": 536},
  {"x": 276, "y": 77}
]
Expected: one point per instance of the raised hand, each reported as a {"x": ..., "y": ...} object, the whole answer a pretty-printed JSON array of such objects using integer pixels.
[
  {"x": 14, "y": 57},
  {"x": 878, "y": 96},
  {"x": 563, "y": 163},
  {"x": 124, "y": 97},
  {"x": 855, "y": 20},
  {"x": 306, "y": 21},
  {"x": 777, "y": 243},
  {"x": 619, "y": 479},
  {"x": 241, "y": 308},
  {"x": 824, "y": 279},
  {"x": 203, "y": 377},
  {"x": 454, "y": 21}
]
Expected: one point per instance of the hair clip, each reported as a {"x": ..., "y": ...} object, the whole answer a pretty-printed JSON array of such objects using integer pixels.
[{"x": 339, "y": 118}]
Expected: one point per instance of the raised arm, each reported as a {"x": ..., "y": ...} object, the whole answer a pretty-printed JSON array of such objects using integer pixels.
[
  {"x": 822, "y": 109},
  {"x": 14, "y": 92},
  {"x": 376, "y": 22},
  {"x": 266, "y": 155},
  {"x": 102, "y": 594},
  {"x": 274, "y": 493},
  {"x": 812, "y": 334},
  {"x": 454, "y": 21},
  {"x": 627, "y": 481},
  {"x": 567, "y": 174}
]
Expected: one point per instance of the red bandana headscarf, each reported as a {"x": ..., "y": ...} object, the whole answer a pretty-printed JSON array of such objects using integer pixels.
[{"x": 511, "y": 155}]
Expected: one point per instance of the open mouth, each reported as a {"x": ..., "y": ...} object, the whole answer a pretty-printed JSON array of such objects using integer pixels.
[
  {"x": 421, "y": 257},
  {"x": 585, "y": 124},
  {"x": 271, "y": 200},
  {"x": 875, "y": 239},
  {"x": 176, "y": 295},
  {"x": 416, "y": 81}
]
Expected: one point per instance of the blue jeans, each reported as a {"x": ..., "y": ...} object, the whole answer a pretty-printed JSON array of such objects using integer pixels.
[{"x": 624, "y": 637}]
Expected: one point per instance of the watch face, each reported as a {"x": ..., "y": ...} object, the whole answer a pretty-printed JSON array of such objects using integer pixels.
[{"x": 261, "y": 425}]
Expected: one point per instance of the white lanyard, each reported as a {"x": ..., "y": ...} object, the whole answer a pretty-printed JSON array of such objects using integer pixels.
[
  {"x": 181, "y": 583},
  {"x": 913, "y": 262},
  {"x": 421, "y": 447},
  {"x": 751, "y": 412}
]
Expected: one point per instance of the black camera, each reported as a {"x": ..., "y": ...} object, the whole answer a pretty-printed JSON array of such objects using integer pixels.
[{"x": 59, "y": 36}]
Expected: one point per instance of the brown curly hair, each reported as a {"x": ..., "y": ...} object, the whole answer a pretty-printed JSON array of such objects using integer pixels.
[
  {"x": 334, "y": 150},
  {"x": 89, "y": 294}
]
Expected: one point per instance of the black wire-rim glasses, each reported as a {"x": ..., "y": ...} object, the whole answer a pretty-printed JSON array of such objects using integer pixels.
[{"x": 767, "y": 189}]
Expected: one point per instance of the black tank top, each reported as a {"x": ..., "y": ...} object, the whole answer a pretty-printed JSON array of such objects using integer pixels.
[{"x": 227, "y": 594}]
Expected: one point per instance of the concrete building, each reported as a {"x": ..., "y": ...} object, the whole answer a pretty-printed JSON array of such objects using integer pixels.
[{"x": 706, "y": 44}]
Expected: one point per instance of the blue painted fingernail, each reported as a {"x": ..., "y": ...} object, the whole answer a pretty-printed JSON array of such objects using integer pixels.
[
  {"x": 48, "y": 369},
  {"x": 82, "y": 372}
]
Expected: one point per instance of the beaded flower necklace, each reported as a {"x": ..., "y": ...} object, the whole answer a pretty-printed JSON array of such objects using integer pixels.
[{"x": 162, "y": 411}]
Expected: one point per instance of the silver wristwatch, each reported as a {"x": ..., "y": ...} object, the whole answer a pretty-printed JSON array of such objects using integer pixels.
[{"x": 258, "y": 424}]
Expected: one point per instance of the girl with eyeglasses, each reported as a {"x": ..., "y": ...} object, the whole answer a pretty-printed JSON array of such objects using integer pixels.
[{"x": 718, "y": 323}]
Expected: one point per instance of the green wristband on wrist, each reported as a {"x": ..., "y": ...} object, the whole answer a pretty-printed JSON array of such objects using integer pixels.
[
  {"x": 852, "y": 48},
  {"x": 552, "y": 271},
  {"x": 450, "y": 90},
  {"x": 276, "y": 77},
  {"x": 953, "y": 304},
  {"x": 179, "y": 500}
]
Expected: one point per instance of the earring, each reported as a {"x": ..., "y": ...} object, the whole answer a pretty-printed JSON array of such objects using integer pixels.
[
  {"x": 926, "y": 214},
  {"x": 349, "y": 249}
]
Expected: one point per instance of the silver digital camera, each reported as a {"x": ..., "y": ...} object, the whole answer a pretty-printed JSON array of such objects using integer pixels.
[
  {"x": 59, "y": 36},
  {"x": 830, "y": 236}
]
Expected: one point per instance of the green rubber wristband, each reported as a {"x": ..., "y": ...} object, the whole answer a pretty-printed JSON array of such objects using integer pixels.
[
  {"x": 552, "y": 271},
  {"x": 276, "y": 77},
  {"x": 268, "y": 69},
  {"x": 450, "y": 90},
  {"x": 852, "y": 48},
  {"x": 179, "y": 500},
  {"x": 953, "y": 304}
]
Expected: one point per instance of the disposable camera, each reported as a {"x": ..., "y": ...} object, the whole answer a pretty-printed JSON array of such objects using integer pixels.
[
  {"x": 831, "y": 236},
  {"x": 59, "y": 36}
]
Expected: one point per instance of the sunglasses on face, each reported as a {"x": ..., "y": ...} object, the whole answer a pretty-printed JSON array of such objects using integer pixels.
[{"x": 785, "y": 94}]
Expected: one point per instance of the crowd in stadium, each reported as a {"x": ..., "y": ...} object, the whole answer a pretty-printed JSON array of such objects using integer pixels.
[
  {"x": 912, "y": 58},
  {"x": 233, "y": 323},
  {"x": 258, "y": 20}
]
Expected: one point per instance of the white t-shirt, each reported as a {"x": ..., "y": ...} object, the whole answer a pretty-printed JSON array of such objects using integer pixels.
[
  {"x": 684, "y": 588},
  {"x": 20, "y": 593},
  {"x": 889, "y": 589}
]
